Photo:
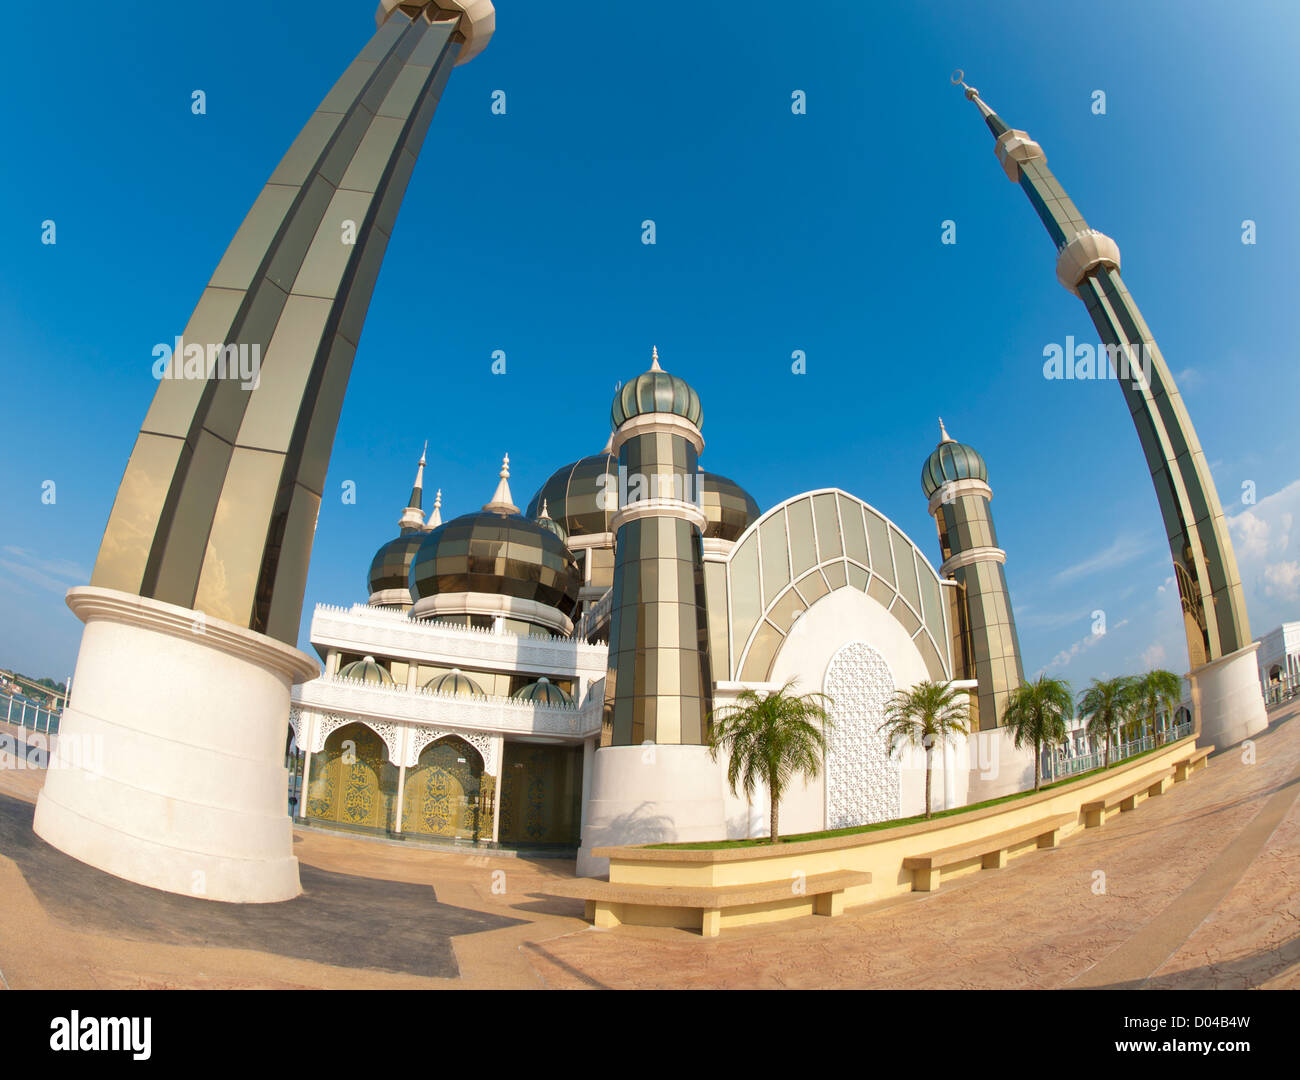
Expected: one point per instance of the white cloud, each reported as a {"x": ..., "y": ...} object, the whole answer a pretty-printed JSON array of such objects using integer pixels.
[
  {"x": 53, "y": 575},
  {"x": 1154, "y": 655},
  {"x": 1123, "y": 549},
  {"x": 1063, "y": 658},
  {"x": 1282, "y": 580}
]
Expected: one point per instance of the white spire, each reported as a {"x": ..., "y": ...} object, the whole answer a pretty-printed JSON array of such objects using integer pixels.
[
  {"x": 501, "y": 499},
  {"x": 654, "y": 358},
  {"x": 943, "y": 433},
  {"x": 435, "y": 518}
]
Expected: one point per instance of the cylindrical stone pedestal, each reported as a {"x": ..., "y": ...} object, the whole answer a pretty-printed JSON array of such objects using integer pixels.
[
  {"x": 669, "y": 793},
  {"x": 169, "y": 770},
  {"x": 1226, "y": 699}
]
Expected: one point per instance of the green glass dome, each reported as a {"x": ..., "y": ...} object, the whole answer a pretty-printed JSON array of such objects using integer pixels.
[
  {"x": 655, "y": 391},
  {"x": 548, "y": 523},
  {"x": 582, "y": 496},
  {"x": 391, "y": 566},
  {"x": 729, "y": 508},
  {"x": 455, "y": 682},
  {"x": 367, "y": 671},
  {"x": 492, "y": 551},
  {"x": 951, "y": 461},
  {"x": 543, "y": 692}
]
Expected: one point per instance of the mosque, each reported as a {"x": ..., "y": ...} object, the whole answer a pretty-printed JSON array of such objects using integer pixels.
[
  {"x": 515, "y": 674},
  {"x": 545, "y": 676}
]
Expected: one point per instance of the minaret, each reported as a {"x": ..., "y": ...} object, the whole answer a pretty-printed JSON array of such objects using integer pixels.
[
  {"x": 412, "y": 519},
  {"x": 955, "y": 480},
  {"x": 435, "y": 518},
  {"x": 1228, "y": 705},
  {"x": 659, "y": 687}
]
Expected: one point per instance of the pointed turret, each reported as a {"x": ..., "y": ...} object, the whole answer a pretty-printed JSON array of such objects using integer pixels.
[
  {"x": 412, "y": 519},
  {"x": 501, "y": 500},
  {"x": 435, "y": 518}
]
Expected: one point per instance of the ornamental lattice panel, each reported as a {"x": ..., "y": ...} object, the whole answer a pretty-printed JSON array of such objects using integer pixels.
[{"x": 862, "y": 782}]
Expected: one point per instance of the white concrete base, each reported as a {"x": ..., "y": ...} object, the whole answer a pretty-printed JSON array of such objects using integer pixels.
[
  {"x": 170, "y": 763},
  {"x": 1227, "y": 703},
  {"x": 652, "y": 795}
]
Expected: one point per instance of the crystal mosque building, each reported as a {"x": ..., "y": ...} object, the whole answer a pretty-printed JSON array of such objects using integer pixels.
[{"x": 545, "y": 676}]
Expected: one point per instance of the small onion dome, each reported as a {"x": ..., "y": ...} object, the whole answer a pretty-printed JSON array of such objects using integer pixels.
[
  {"x": 655, "y": 391},
  {"x": 729, "y": 508},
  {"x": 547, "y": 522},
  {"x": 391, "y": 566},
  {"x": 543, "y": 692},
  {"x": 494, "y": 552},
  {"x": 455, "y": 682},
  {"x": 367, "y": 671},
  {"x": 951, "y": 461},
  {"x": 581, "y": 496}
]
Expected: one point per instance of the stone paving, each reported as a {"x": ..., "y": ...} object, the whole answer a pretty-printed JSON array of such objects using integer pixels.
[{"x": 1197, "y": 888}]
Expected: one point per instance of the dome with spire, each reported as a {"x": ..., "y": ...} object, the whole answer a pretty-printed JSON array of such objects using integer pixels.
[
  {"x": 728, "y": 507},
  {"x": 390, "y": 568},
  {"x": 581, "y": 496},
  {"x": 545, "y": 520},
  {"x": 951, "y": 461},
  {"x": 543, "y": 692},
  {"x": 496, "y": 550},
  {"x": 655, "y": 391},
  {"x": 367, "y": 671}
]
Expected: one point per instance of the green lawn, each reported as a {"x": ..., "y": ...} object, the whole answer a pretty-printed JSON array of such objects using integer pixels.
[{"x": 798, "y": 837}]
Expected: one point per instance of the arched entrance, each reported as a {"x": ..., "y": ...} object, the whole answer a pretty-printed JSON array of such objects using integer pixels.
[
  {"x": 443, "y": 794},
  {"x": 352, "y": 780}
]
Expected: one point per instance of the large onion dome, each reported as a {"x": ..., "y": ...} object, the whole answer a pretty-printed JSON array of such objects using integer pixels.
[
  {"x": 581, "y": 496},
  {"x": 543, "y": 692},
  {"x": 730, "y": 509},
  {"x": 655, "y": 391},
  {"x": 391, "y": 566},
  {"x": 497, "y": 551},
  {"x": 951, "y": 461},
  {"x": 367, "y": 671},
  {"x": 456, "y": 682}
]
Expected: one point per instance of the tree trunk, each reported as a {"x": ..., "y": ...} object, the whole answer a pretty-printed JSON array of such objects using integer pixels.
[
  {"x": 929, "y": 754},
  {"x": 1038, "y": 764},
  {"x": 775, "y": 796}
]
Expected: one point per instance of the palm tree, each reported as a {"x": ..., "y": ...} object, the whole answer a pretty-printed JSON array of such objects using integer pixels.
[
  {"x": 1036, "y": 713},
  {"x": 771, "y": 738},
  {"x": 1108, "y": 704},
  {"x": 929, "y": 712},
  {"x": 1156, "y": 690}
]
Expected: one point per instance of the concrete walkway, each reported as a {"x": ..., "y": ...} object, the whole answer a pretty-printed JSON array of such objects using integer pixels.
[{"x": 1198, "y": 888}]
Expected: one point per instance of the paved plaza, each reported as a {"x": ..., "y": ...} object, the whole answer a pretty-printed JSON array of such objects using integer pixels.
[{"x": 1201, "y": 890}]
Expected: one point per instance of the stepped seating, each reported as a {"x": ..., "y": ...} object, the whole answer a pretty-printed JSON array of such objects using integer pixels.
[
  {"x": 1125, "y": 798},
  {"x": 606, "y": 900},
  {"x": 992, "y": 850}
]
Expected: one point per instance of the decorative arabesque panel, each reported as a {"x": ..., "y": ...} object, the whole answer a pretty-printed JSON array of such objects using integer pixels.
[{"x": 862, "y": 781}]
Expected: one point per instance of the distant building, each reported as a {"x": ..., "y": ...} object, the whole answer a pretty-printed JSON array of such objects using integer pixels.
[{"x": 1279, "y": 661}]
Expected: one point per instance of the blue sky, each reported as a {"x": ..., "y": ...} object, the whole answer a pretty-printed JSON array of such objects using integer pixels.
[{"x": 775, "y": 232}]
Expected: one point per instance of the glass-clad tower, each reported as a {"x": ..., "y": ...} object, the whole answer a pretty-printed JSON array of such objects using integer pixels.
[
  {"x": 659, "y": 686},
  {"x": 1213, "y": 604},
  {"x": 955, "y": 480}
]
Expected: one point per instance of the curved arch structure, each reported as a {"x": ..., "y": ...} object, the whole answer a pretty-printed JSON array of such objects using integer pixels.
[
  {"x": 214, "y": 520},
  {"x": 809, "y": 546}
]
